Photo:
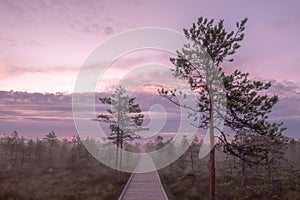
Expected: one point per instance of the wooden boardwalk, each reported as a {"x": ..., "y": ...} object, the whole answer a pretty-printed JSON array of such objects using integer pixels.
[{"x": 144, "y": 186}]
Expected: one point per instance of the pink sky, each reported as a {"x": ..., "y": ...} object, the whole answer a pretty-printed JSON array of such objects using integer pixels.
[{"x": 43, "y": 43}]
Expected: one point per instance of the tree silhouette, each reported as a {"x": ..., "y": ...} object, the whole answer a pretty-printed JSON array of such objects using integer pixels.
[
  {"x": 124, "y": 118},
  {"x": 159, "y": 141},
  {"x": 247, "y": 108},
  {"x": 51, "y": 140},
  {"x": 270, "y": 178},
  {"x": 203, "y": 73}
]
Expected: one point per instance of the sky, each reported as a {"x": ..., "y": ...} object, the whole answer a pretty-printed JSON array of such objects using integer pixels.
[{"x": 44, "y": 43}]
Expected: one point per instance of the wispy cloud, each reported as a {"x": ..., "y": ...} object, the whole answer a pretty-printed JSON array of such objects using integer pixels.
[
  {"x": 18, "y": 70},
  {"x": 36, "y": 113}
]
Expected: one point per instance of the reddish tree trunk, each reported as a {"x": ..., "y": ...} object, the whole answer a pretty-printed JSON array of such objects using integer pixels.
[
  {"x": 212, "y": 154},
  {"x": 212, "y": 175}
]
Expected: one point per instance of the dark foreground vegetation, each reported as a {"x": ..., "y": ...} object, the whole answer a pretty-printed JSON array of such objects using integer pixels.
[
  {"x": 279, "y": 178},
  {"x": 55, "y": 169},
  {"x": 50, "y": 168}
]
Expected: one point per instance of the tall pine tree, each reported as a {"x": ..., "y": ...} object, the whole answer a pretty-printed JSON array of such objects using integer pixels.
[{"x": 247, "y": 106}]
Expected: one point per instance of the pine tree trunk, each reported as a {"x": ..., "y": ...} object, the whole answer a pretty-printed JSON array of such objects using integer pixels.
[
  {"x": 39, "y": 157},
  {"x": 117, "y": 158},
  {"x": 50, "y": 159},
  {"x": 22, "y": 158},
  {"x": 192, "y": 157},
  {"x": 212, "y": 156},
  {"x": 212, "y": 175},
  {"x": 121, "y": 155},
  {"x": 11, "y": 155},
  {"x": 170, "y": 165},
  {"x": 243, "y": 172}
]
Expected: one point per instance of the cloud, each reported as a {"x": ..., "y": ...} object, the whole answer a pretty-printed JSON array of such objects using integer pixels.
[
  {"x": 285, "y": 89},
  {"x": 19, "y": 70},
  {"x": 33, "y": 114},
  {"x": 29, "y": 113},
  {"x": 287, "y": 110},
  {"x": 108, "y": 30}
]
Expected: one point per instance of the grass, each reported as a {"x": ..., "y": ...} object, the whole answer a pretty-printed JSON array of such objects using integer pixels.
[
  {"x": 95, "y": 182},
  {"x": 194, "y": 185}
]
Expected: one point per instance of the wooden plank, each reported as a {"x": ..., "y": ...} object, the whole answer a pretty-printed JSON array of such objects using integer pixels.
[{"x": 144, "y": 186}]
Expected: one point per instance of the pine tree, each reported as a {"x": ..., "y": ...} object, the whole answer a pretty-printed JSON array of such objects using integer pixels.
[
  {"x": 199, "y": 63},
  {"x": 51, "y": 140},
  {"x": 202, "y": 72},
  {"x": 159, "y": 141},
  {"x": 124, "y": 118}
]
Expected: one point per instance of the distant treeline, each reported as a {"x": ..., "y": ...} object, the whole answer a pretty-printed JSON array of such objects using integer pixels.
[
  {"x": 50, "y": 168},
  {"x": 277, "y": 176},
  {"x": 53, "y": 168},
  {"x": 48, "y": 152}
]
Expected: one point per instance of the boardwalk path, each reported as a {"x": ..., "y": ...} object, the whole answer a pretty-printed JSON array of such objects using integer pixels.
[{"x": 144, "y": 186}]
